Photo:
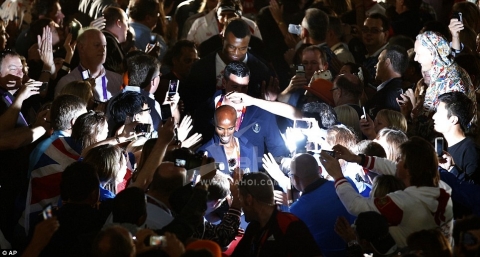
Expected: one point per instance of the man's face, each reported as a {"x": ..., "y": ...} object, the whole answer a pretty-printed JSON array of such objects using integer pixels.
[
  {"x": 246, "y": 203},
  {"x": 225, "y": 126},
  {"x": 441, "y": 121},
  {"x": 373, "y": 34},
  {"x": 123, "y": 28},
  {"x": 93, "y": 49},
  {"x": 236, "y": 84},
  {"x": 423, "y": 56},
  {"x": 183, "y": 64},
  {"x": 235, "y": 49},
  {"x": 12, "y": 65},
  {"x": 313, "y": 62},
  {"x": 381, "y": 69},
  {"x": 144, "y": 115}
]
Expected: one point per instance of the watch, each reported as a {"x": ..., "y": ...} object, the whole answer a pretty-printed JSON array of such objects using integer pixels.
[{"x": 353, "y": 243}]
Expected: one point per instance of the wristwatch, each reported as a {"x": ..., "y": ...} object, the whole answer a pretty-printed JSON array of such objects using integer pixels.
[{"x": 352, "y": 243}]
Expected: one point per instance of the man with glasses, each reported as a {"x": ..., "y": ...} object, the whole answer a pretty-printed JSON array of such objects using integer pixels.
[
  {"x": 374, "y": 38},
  {"x": 270, "y": 232}
]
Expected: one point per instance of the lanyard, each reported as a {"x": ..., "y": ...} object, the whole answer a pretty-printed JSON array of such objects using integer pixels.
[
  {"x": 244, "y": 110},
  {"x": 104, "y": 83},
  {"x": 11, "y": 102}
]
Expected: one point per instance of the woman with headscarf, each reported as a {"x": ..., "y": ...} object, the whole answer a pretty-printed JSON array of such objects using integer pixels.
[{"x": 441, "y": 75}]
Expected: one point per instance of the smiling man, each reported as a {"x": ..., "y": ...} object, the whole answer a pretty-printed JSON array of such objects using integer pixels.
[
  {"x": 206, "y": 74},
  {"x": 226, "y": 148},
  {"x": 91, "y": 45}
]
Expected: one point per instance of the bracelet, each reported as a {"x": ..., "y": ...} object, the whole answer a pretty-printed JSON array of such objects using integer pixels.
[
  {"x": 65, "y": 68},
  {"x": 47, "y": 71},
  {"x": 66, "y": 64}
]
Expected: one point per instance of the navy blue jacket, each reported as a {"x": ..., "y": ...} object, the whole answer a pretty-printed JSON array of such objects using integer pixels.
[{"x": 248, "y": 154}]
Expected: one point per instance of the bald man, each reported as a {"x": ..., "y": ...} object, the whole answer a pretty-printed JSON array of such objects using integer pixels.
[
  {"x": 224, "y": 147},
  {"x": 166, "y": 180},
  {"x": 91, "y": 45},
  {"x": 318, "y": 206}
]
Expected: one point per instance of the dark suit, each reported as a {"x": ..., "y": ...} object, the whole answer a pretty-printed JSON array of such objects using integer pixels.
[
  {"x": 115, "y": 54},
  {"x": 248, "y": 154},
  {"x": 385, "y": 98},
  {"x": 201, "y": 83}
]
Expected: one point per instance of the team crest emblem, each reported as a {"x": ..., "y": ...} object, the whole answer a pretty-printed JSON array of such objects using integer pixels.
[{"x": 256, "y": 128}]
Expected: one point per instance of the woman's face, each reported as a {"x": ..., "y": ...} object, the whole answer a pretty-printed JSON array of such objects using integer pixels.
[
  {"x": 423, "y": 56},
  {"x": 379, "y": 123}
]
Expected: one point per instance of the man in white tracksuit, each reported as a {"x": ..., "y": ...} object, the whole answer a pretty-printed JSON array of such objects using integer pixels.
[{"x": 424, "y": 204}]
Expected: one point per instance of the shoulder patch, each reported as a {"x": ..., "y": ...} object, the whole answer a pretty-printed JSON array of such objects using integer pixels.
[{"x": 389, "y": 209}]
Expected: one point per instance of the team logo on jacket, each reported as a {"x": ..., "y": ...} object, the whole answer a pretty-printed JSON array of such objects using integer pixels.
[{"x": 256, "y": 128}]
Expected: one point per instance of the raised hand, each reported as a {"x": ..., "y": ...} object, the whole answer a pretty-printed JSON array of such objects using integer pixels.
[
  {"x": 192, "y": 140},
  {"x": 45, "y": 49},
  {"x": 184, "y": 128},
  {"x": 98, "y": 23}
]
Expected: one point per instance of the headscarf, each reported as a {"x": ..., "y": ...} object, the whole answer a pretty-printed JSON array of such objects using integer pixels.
[{"x": 439, "y": 46}]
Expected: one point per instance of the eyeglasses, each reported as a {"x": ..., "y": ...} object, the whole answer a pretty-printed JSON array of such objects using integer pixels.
[
  {"x": 373, "y": 30},
  {"x": 145, "y": 110}
]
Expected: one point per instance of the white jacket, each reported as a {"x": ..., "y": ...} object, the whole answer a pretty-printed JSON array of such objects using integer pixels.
[
  {"x": 206, "y": 27},
  {"x": 407, "y": 211}
]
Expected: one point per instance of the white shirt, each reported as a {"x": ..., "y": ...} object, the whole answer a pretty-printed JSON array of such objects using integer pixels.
[
  {"x": 206, "y": 27},
  {"x": 113, "y": 83}
]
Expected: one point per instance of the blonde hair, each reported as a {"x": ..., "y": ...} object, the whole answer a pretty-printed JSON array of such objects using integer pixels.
[
  {"x": 341, "y": 135},
  {"x": 392, "y": 139},
  {"x": 82, "y": 89},
  {"x": 385, "y": 184},
  {"x": 349, "y": 117},
  {"x": 395, "y": 119}
]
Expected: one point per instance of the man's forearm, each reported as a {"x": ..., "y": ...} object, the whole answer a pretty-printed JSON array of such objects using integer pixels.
[
  {"x": 19, "y": 137},
  {"x": 9, "y": 118}
]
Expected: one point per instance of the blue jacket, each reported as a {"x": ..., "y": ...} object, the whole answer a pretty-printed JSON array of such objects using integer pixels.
[
  {"x": 319, "y": 207},
  {"x": 248, "y": 154}
]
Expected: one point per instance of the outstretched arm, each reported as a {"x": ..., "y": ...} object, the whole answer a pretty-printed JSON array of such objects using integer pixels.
[{"x": 277, "y": 108}]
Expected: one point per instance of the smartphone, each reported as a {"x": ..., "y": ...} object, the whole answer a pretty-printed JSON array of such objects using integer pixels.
[
  {"x": 86, "y": 74},
  {"x": 439, "y": 146},
  {"x": 74, "y": 28},
  {"x": 294, "y": 29},
  {"x": 331, "y": 153},
  {"x": 47, "y": 212},
  {"x": 364, "y": 113},
  {"x": 156, "y": 240},
  {"x": 300, "y": 71},
  {"x": 142, "y": 128},
  {"x": 302, "y": 124},
  {"x": 469, "y": 239},
  {"x": 180, "y": 162},
  {"x": 173, "y": 87},
  {"x": 43, "y": 87},
  {"x": 325, "y": 74},
  {"x": 166, "y": 112},
  {"x": 153, "y": 39},
  {"x": 459, "y": 16}
]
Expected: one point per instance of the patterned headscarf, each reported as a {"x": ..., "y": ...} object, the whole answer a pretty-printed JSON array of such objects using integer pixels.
[{"x": 439, "y": 46}]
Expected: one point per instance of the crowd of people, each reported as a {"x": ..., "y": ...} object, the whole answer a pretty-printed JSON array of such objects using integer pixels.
[{"x": 240, "y": 128}]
